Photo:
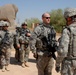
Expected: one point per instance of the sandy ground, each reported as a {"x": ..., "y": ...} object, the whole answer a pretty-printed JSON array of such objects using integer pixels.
[{"x": 16, "y": 69}]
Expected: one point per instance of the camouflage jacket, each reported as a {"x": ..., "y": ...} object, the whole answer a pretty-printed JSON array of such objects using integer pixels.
[
  {"x": 6, "y": 38},
  {"x": 64, "y": 43},
  {"x": 21, "y": 35},
  {"x": 40, "y": 30}
]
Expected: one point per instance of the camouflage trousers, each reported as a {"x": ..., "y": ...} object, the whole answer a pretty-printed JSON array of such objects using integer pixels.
[
  {"x": 17, "y": 54},
  {"x": 24, "y": 53},
  {"x": 68, "y": 67},
  {"x": 45, "y": 65},
  {"x": 5, "y": 57}
]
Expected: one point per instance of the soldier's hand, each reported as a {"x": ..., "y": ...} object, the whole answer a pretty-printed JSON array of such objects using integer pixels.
[
  {"x": 35, "y": 55},
  {"x": 18, "y": 45},
  {"x": 57, "y": 68},
  {"x": 28, "y": 34}
]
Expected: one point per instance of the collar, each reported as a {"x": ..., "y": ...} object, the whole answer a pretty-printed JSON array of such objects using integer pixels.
[{"x": 45, "y": 25}]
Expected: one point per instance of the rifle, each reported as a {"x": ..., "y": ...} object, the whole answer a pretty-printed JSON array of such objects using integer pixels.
[
  {"x": 50, "y": 46},
  {"x": 50, "y": 43}
]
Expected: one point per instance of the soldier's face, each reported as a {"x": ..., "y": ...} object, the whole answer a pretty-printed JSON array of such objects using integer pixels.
[
  {"x": 24, "y": 26},
  {"x": 69, "y": 20},
  {"x": 46, "y": 19}
]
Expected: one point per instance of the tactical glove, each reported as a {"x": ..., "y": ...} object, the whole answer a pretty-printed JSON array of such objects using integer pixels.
[{"x": 57, "y": 68}]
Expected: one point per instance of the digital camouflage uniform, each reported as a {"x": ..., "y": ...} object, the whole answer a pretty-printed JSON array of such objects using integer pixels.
[
  {"x": 16, "y": 41},
  {"x": 67, "y": 47},
  {"x": 6, "y": 40},
  {"x": 45, "y": 63},
  {"x": 23, "y": 40}
]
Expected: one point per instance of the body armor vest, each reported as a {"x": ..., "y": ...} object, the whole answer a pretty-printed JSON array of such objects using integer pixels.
[{"x": 72, "y": 42}]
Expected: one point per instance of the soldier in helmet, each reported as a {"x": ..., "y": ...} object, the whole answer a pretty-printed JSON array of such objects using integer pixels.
[
  {"x": 23, "y": 44},
  {"x": 6, "y": 40},
  {"x": 67, "y": 45}
]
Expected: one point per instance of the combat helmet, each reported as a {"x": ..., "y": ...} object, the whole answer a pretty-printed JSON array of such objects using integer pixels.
[
  {"x": 69, "y": 12},
  {"x": 5, "y": 23},
  {"x": 24, "y": 23}
]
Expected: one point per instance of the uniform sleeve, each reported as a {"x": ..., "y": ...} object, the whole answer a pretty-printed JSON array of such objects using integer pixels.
[
  {"x": 34, "y": 36},
  {"x": 1, "y": 36},
  {"x": 0, "y": 39},
  {"x": 63, "y": 46},
  {"x": 54, "y": 34},
  {"x": 11, "y": 39}
]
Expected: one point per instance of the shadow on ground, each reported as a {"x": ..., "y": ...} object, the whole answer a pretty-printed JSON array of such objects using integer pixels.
[
  {"x": 32, "y": 60},
  {"x": 14, "y": 61}
]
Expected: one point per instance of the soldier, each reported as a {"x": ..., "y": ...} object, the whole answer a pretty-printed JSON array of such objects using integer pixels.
[
  {"x": 23, "y": 44},
  {"x": 6, "y": 40},
  {"x": 16, "y": 36},
  {"x": 67, "y": 45},
  {"x": 41, "y": 46}
]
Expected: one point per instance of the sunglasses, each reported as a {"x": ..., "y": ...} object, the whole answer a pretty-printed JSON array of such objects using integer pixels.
[
  {"x": 47, "y": 17},
  {"x": 24, "y": 25}
]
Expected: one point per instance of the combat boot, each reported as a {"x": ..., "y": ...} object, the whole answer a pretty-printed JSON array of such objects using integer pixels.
[
  {"x": 7, "y": 68},
  {"x": 23, "y": 65},
  {"x": 26, "y": 64},
  {"x": 3, "y": 68}
]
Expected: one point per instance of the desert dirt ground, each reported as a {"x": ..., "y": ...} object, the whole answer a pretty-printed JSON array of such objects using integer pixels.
[{"x": 16, "y": 69}]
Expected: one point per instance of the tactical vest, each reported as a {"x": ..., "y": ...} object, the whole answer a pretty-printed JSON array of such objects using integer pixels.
[
  {"x": 72, "y": 41},
  {"x": 23, "y": 37},
  {"x": 7, "y": 38},
  {"x": 42, "y": 41}
]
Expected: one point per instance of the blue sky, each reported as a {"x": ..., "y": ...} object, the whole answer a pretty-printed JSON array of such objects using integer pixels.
[{"x": 35, "y": 8}]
